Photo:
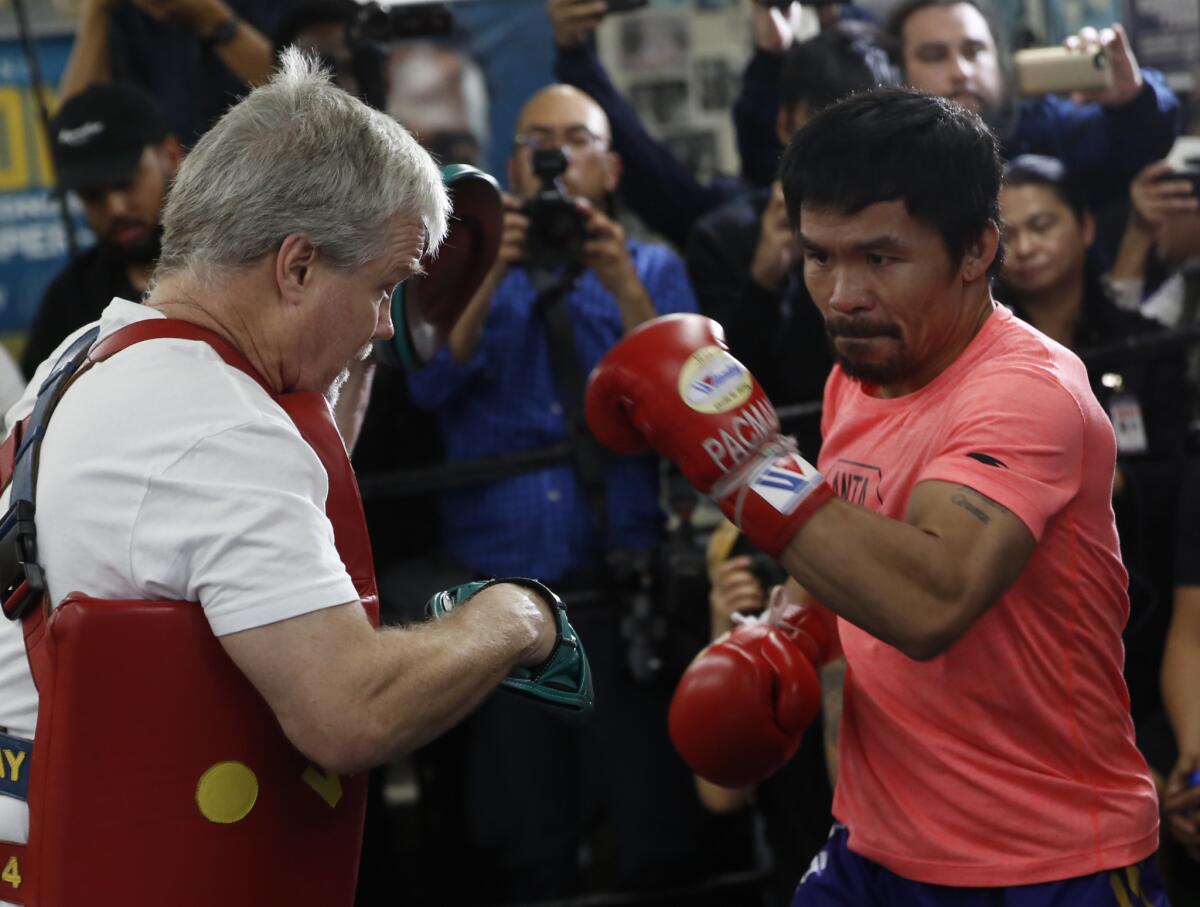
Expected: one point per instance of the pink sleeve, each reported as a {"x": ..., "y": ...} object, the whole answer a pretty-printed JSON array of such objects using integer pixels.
[{"x": 1016, "y": 437}]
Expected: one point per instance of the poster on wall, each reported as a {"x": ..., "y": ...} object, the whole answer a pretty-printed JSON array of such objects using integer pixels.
[
  {"x": 33, "y": 245},
  {"x": 1166, "y": 36}
]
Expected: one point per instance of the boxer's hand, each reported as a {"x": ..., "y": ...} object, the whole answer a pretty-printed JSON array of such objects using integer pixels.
[
  {"x": 741, "y": 708},
  {"x": 573, "y": 21},
  {"x": 1127, "y": 78},
  {"x": 776, "y": 250},
  {"x": 672, "y": 385}
]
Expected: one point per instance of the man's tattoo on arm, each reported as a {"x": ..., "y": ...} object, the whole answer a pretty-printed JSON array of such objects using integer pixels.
[{"x": 963, "y": 498}]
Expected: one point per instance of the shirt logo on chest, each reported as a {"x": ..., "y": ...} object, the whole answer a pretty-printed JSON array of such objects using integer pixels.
[{"x": 857, "y": 482}]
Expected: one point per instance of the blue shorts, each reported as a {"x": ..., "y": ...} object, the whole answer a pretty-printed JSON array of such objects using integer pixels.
[{"x": 838, "y": 877}]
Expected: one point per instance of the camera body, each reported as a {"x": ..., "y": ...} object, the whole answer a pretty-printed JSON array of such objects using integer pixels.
[
  {"x": 557, "y": 228},
  {"x": 624, "y": 6},
  {"x": 374, "y": 22},
  {"x": 1185, "y": 162},
  {"x": 1051, "y": 70}
]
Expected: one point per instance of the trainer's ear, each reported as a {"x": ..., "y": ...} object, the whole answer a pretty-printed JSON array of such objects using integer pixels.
[
  {"x": 294, "y": 263},
  {"x": 979, "y": 255}
]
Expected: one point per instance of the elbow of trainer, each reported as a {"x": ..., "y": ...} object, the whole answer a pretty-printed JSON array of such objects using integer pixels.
[{"x": 341, "y": 750}]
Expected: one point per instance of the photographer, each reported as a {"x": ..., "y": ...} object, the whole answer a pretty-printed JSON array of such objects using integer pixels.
[
  {"x": 533, "y": 785},
  {"x": 1157, "y": 271},
  {"x": 953, "y": 48}
]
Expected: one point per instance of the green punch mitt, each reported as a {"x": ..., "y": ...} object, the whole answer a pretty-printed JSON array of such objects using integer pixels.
[{"x": 563, "y": 682}]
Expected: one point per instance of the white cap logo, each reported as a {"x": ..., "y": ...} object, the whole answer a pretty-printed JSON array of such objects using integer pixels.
[{"x": 80, "y": 134}]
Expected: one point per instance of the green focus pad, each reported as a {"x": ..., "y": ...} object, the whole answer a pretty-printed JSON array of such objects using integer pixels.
[
  {"x": 563, "y": 682},
  {"x": 425, "y": 308}
]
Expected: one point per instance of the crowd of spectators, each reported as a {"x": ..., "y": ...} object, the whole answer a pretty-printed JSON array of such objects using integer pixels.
[{"x": 547, "y": 811}]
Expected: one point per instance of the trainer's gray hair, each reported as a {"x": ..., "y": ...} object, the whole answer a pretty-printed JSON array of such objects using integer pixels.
[{"x": 298, "y": 155}]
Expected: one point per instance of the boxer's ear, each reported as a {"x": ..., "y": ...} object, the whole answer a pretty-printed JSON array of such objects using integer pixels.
[{"x": 979, "y": 254}]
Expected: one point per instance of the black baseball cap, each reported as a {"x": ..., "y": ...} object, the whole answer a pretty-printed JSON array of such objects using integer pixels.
[{"x": 98, "y": 136}]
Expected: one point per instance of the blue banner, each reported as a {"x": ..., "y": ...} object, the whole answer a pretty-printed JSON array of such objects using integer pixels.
[{"x": 33, "y": 247}]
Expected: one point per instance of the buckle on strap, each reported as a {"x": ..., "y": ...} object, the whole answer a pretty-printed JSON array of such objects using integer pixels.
[{"x": 22, "y": 582}]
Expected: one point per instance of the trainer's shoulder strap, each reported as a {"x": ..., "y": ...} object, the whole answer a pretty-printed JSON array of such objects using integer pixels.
[
  {"x": 175, "y": 329},
  {"x": 21, "y": 580}
]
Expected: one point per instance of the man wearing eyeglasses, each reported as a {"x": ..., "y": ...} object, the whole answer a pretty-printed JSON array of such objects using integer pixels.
[{"x": 496, "y": 392}]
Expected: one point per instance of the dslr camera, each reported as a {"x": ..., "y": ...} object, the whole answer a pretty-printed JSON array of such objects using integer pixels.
[{"x": 557, "y": 229}]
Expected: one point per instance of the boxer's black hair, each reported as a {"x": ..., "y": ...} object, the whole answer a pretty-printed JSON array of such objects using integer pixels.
[{"x": 895, "y": 144}]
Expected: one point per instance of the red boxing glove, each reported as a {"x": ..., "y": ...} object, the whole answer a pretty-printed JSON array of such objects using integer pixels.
[
  {"x": 741, "y": 708},
  {"x": 671, "y": 384}
]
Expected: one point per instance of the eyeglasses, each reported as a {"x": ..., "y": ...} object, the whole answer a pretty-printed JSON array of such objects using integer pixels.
[{"x": 575, "y": 139}]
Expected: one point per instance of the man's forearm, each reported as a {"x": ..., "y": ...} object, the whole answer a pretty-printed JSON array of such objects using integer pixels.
[
  {"x": 833, "y": 688},
  {"x": 248, "y": 55},
  {"x": 898, "y": 582},
  {"x": 636, "y": 305},
  {"x": 1181, "y": 670},
  {"x": 89, "y": 62}
]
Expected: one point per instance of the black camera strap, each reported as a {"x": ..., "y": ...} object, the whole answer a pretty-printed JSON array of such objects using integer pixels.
[{"x": 589, "y": 455}]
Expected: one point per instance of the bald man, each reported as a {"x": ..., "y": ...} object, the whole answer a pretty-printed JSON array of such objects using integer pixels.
[{"x": 495, "y": 392}]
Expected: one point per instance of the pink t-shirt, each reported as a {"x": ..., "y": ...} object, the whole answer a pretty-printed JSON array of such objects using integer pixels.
[{"x": 1009, "y": 759}]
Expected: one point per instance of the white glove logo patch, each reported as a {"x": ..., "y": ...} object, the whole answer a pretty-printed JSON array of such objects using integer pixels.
[
  {"x": 712, "y": 381},
  {"x": 785, "y": 483}
]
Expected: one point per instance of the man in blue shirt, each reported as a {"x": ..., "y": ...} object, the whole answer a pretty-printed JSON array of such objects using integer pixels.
[
  {"x": 953, "y": 49},
  {"x": 495, "y": 392},
  {"x": 493, "y": 386}
]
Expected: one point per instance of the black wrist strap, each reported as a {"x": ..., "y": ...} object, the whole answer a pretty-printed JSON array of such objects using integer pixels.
[
  {"x": 223, "y": 34},
  {"x": 589, "y": 455}
]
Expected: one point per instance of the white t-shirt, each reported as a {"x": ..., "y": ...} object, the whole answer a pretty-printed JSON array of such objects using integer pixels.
[{"x": 167, "y": 474}]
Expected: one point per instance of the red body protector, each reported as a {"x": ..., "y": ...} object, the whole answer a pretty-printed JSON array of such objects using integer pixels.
[{"x": 159, "y": 775}]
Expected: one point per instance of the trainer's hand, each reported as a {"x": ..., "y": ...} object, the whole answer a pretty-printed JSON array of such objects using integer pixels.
[
  {"x": 776, "y": 250},
  {"x": 531, "y": 617},
  {"x": 1155, "y": 199},
  {"x": 573, "y": 21},
  {"x": 1127, "y": 78}
]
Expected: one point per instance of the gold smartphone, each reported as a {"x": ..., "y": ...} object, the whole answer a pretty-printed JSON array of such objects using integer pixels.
[{"x": 1053, "y": 70}]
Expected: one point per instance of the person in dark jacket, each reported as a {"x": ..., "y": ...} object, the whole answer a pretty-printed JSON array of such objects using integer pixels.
[{"x": 111, "y": 147}]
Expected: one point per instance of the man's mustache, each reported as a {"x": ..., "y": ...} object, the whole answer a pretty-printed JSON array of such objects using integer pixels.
[{"x": 861, "y": 329}]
